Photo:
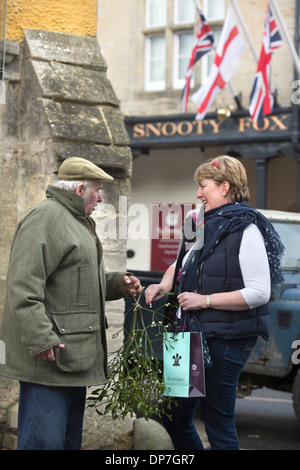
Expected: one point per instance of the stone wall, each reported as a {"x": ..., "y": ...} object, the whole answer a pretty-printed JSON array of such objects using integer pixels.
[
  {"x": 59, "y": 103},
  {"x": 129, "y": 60},
  {"x": 9, "y": 145},
  {"x": 75, "y": 17}
]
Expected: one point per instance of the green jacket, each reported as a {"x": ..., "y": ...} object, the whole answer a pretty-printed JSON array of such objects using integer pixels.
[{"x": 56, "y": 292}]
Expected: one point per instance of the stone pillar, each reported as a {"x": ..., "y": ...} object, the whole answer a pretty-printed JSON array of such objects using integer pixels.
[
  {"x": 9, "y": 145},
  {"x": 60, "y": 103}
]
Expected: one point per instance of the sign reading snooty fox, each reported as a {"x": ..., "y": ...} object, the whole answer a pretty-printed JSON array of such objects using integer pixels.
[{"x": 172, "y": 130}]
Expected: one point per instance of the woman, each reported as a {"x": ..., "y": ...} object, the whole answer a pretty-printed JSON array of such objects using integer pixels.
[{"x": 226, "y": 288}]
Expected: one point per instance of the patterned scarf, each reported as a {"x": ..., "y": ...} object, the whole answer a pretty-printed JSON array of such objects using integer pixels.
[{"x": 237, "y": 216}]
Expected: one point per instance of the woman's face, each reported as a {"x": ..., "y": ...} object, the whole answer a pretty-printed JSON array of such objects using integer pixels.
[{"x": 212, "y": 194}]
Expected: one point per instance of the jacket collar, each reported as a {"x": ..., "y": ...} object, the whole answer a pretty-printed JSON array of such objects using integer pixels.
[{"x": 69, "y": 199}]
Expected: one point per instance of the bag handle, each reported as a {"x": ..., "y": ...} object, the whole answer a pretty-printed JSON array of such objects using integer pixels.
[{"x": 187, "y": 318}]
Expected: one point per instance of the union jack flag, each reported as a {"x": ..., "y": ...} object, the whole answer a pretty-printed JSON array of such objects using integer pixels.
[
  {"x": 261, "y": 98},
  {"x": 204, "y": 41}
]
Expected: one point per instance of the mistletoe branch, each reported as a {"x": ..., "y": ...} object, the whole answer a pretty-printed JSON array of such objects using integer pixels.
[{"x": 134, "y": 381}]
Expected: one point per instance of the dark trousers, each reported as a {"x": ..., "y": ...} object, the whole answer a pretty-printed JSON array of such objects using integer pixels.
[
  {"x": 50, "y": 418},
  {"x": 218, "y": 407}
]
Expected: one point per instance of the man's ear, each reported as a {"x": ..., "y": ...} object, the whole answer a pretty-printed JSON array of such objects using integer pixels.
[{"x": 79, "y": 189}]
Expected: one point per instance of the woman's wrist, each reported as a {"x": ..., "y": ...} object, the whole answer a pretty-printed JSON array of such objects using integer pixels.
[{"x": 164, "y": 288}]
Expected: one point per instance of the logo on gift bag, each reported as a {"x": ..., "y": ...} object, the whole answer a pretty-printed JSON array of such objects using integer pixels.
[{"x": 176, "y": 360}]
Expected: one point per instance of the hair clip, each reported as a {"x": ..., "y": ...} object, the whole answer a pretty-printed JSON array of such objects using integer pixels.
[{"x": 215, "y": 164}]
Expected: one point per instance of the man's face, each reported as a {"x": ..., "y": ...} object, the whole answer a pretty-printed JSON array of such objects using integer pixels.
[{"x": 91, "y": 196}]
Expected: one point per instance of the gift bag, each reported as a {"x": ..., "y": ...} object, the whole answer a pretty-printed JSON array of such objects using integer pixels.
[{"x": 183, "y": 365}]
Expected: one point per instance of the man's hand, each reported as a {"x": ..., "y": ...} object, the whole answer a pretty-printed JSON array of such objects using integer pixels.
[
  {"x": 48, "y": 355},
  {"x": 132, "y": 285}
]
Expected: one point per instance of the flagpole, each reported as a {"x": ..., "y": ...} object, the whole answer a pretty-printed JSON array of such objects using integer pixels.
[
  {"x": 290, "y": 44},
  {"x": 241, "y": 19},
  {"x": 197, "y": 3}
]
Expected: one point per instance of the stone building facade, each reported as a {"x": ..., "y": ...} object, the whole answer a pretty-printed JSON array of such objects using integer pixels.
[
  {"x": 125, "y": 52},
  {"x": 168, "y": 144}
]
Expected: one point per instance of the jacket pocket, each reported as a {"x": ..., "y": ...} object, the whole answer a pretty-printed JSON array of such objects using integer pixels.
[
  {"x": 83, "y": 285},
  {"x": 78, "y": 332}
]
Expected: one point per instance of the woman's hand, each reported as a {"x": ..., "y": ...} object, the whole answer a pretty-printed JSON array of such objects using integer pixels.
[
  {"x": 221, "y": 301},
  {"x": 157, "y": 291},
  {"x": 154, "y": 292},
  {"x": 191, "y": 301}
]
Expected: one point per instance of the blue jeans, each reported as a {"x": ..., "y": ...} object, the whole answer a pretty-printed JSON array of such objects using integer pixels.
[
  {"x": 218, "y": 407},
  {"x": 50, "y": 418}
]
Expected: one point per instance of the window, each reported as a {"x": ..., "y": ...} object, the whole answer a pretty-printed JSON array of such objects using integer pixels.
[
  {"x": 156, "y": 13},
  {"x": 214, "y": 9},
  {"x": 183, "y": 44},
  {"x": 184, "y": 14},
  {"x": 184, "y": 11},
  {"x": 155, "y": 66},
  {"x": 169, "y": 40}
]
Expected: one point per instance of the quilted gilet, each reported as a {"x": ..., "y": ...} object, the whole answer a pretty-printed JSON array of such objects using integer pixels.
[{"x": 221, "y": 272}]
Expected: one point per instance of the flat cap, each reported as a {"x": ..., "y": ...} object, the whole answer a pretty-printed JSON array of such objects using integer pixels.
[{"x": 77, "y": 169}]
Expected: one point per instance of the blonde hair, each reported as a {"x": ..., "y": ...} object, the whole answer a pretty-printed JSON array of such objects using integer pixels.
[{"x": 225, "y": 168}]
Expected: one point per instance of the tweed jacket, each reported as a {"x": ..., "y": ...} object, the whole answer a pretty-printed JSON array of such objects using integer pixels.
[{"x": 56, "y": 292}]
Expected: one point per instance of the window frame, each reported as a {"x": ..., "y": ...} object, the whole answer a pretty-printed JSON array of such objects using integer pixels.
[
  {"x": 178, "y": 83},
  {"x": 158, "y": 85},
  {"x": 175, "y": 27},
  {"x": 147, "y": 15},
  {"x": 213, "y": 18},
  {"x": 176, "y": 14}
]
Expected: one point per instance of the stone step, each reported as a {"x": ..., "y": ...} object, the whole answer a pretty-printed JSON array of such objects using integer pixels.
[
  {"x": 12, "y": 416},
  {"x": 10, "y": 440},
  {"x": 150, "y": 435},
  {"x": 9, "y": 432}
]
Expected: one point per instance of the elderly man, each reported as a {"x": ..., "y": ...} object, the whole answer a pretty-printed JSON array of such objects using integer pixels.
[{"x": 53, "y": 324}]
